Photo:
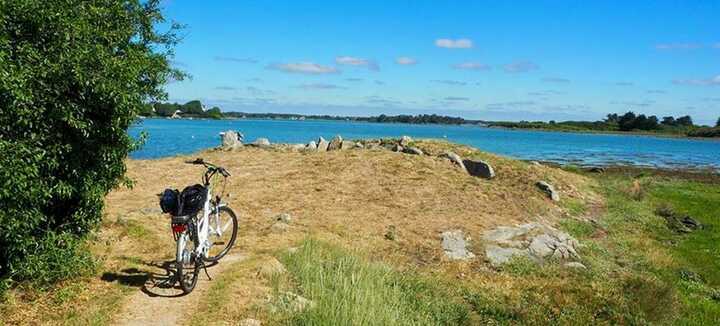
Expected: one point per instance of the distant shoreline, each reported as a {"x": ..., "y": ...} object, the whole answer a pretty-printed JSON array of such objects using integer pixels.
[{"x": 470, "y": 123}]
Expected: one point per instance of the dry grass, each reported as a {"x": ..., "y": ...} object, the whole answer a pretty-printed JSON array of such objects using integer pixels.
[{"x": 348, "y": 197}]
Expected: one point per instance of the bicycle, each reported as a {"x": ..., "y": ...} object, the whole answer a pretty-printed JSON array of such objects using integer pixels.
[{"x": 200, "y": 238}]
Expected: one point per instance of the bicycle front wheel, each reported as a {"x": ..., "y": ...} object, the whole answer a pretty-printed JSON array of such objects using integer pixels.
[{"x": 223, "y": 232}]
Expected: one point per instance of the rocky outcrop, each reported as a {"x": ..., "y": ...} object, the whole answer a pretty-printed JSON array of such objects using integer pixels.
[
  {"x": 479, "y": 169},
  {"x": 454, "y": 158},
  {"x": 347, "y": 144},
  {"x": 405, "y": 141},
  {"x": 322, "y": 145},
  {"x": 413, "y": 151},
  {"x": 455, "y": 245},
  {"x": 549, "y": 190},
  {"x": 231, "y": 139},
  {"x": 538, "y": 242},
  {"x": 335, "y": 143},
  {"x": 397, "y": 148},
  {"x": 311, "y": 146},
  {"x": 261, "y": 142}
]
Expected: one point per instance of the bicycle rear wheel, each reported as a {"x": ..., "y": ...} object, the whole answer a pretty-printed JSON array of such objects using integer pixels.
[
  {"x": 223, "y": 232},
  {"x": 188, "y": 265}
]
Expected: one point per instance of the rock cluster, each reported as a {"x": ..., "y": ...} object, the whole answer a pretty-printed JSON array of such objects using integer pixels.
[{"x": 539, "y": 242}]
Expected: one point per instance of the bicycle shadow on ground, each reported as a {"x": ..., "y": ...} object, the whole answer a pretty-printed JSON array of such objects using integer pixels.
[{"x": 161, "y": 281}]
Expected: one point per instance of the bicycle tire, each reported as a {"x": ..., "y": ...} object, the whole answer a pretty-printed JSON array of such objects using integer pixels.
[
  {"x": 233, "y": 236},
  {"x": 188, "y": 285}
]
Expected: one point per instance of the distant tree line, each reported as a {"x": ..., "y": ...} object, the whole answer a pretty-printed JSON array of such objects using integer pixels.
[
  {"x": 630, "y": 121},
  {"x": 414, "y": 119},
  {"x": 193, "y": 109}
]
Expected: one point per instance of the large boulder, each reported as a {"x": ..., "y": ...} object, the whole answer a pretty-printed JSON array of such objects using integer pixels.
[
  {"x": 311, "y": 146},
  {"x": 455, "y": 245},
  {"x": 335, "y": 143},
  {"x": 479, "y": 169},
  {"x": 322, "y": 145},
  {"x": 231, "y": 139},
  {"x": 549, "y": 190},
  {"x": 454, "y": 158},
  {"x": 412, "y": 150}
]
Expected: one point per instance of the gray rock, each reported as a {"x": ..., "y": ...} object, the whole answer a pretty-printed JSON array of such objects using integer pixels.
[
  {"x": 284, "y": 218},
  {"x": 535, "y": 163},
  {"x": 335, "y": 143},
  {"x": 347, "y": 144},
  {"x": 231, "y": 139},
  {"x": 497, "y": 256},
  {"x": 270, "y": 268},
  {"x": 575, "y": 265},
  {"x": 311, "y": 146},
  {"x": 359, "y": 145},
  {"x": 397, "y": 148},
  {"x": 454, "y": 158},
  {"x": 250, "y": 322},
  {"x": 534, "y": 240},
  {"x": 542, "y": 246},
  {"x": 549, "y": 190},
  {"x": 479, "y": 169},
  {"x": 455, "y": 245},
  {"x": 405, "y": 141},
  {"x": 261, "y": 142},
  {"x": 413, "y": 150},
  {"x": 295, "y": 302},
  {"x": 279, "y": 227},
  {"x": 297, "y": 147},
  {"x": 322, "y": 145}
]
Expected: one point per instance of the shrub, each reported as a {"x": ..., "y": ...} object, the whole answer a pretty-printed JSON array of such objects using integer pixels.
[{"x": 73, "y": 76}]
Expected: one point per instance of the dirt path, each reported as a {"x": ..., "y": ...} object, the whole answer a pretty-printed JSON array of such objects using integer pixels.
[{"x": 162, "y": 306}]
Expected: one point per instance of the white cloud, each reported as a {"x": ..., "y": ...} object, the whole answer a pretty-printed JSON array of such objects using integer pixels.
[
  {"x": 678, "y": 46},
  {"x": 304, "y": 68},
  {"x": 715, "y": 81},
  {"x": 557, "y": 80},
  {"x": 450, "y": 82},
  {"x": 456, "y": 98},
  {"x": 405, "y": 61},
  {"x": 234, "y": 59},
  {"x": 320, "y": 86},
  {"x": 357, "y": 62},
  {"x": 520, "y": 66},
  {"x": 471, "y": 66},
  {"x": 462, "y": 43}
]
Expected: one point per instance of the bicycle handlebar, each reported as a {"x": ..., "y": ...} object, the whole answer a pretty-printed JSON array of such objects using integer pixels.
[{"x": 210, "y": 166}]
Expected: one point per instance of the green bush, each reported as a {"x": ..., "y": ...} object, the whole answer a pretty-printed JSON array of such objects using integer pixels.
[{"x": 73, "y": 76}]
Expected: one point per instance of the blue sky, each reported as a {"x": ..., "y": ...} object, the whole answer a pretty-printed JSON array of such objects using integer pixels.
[{"x": 502, "y": 60}]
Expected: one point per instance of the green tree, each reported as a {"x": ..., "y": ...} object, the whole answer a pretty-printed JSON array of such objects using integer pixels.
[
  {"x": 73, "y": 76},
  {"x": 192, "y": 107},
  {"x": 214, "y": 113},
  {"x": 717, "y": 124}
]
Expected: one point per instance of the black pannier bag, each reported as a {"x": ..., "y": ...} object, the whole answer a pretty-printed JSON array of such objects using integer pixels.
[
  {"x": 170, "y": 201},
  {"x": 192, "y": 199}
]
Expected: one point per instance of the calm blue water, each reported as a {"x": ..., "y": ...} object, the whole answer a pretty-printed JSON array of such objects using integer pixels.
[{"x": 172, "y": 137}]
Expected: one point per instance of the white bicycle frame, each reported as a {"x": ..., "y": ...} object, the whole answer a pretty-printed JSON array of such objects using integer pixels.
[{"x": 203, "y": 231}]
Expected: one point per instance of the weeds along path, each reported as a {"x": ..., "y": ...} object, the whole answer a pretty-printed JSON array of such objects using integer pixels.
[{"x": 167, "y": 306}]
